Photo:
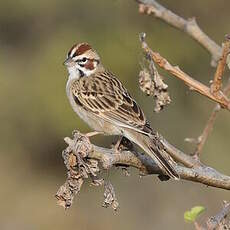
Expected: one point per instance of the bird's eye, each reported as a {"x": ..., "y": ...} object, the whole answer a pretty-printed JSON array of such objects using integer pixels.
[{"x": 84, "y": 59}]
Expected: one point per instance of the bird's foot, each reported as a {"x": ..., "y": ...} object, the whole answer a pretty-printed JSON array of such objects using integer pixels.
[
  {"x": 122, "y": 144},
  {"x": 116, "y": 147}
]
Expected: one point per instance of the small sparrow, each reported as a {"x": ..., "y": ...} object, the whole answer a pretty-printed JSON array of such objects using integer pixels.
[{"x": 101, "y": 100}]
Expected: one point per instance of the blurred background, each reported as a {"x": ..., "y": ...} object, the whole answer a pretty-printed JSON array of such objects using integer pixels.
[{"x": 35, "y": 113}]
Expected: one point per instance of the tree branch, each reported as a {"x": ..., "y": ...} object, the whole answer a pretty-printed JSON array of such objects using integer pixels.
[
  {"x": 199, "y": 173},
  {"x": 210, "y": 123},
  {"x": 82, "y": 160},
  {"x": 189, "y": 26},
  {"x": 207, "y": 130},
  {"x": 217, "y": 220},
  {"x": 193, "y": 84},
  {"x": 217, "y": 82}
]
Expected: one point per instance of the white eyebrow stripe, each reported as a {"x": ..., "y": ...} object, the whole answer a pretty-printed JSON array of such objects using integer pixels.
[
  {"x": 78, "y": 57},
  {"x": 73, "y": 51}
]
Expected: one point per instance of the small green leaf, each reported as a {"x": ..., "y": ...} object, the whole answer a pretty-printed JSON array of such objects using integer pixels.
[{"x": 191, "y": 215}]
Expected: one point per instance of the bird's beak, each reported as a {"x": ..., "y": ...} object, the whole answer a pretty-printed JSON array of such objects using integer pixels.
[{"x": 68, "y": 62}]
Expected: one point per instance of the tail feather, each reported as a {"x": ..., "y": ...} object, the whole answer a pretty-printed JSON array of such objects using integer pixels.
[
  {"x": 159, "y": 156},
  {"x": 167, "y": 167}
]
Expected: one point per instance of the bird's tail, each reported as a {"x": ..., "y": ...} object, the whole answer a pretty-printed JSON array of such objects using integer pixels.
[{"x": 149, "y": 145}]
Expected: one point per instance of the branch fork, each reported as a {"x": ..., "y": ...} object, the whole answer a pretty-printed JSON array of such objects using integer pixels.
[{"x": 193, "y": 84}]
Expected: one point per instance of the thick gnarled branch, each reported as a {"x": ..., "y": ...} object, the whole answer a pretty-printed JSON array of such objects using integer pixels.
[
  {"x": 197, "y": 172},
  {"x": 82, "y": 162}
]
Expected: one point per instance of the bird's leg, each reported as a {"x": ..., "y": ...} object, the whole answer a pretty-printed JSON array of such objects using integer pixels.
[
  {"x": 94, "y": 133},
  {"x": 122, "y": 143},
  {"x": 117, "y": 145}
]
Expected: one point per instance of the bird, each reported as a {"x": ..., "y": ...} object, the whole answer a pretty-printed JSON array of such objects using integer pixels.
[{"x": 101, "y": 100}]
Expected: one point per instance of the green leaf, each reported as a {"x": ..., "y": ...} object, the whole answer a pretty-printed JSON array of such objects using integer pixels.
[{"x": 191, "y": 215}]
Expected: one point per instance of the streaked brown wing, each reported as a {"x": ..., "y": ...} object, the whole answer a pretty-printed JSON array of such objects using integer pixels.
[{"x": 105, "y": 96}]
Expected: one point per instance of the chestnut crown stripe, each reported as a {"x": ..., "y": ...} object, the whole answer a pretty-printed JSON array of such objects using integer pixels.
[{"x": 80, "y": 50}]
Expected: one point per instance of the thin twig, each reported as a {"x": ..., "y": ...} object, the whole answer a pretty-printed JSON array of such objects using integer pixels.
[
  {"x": 207, "y": 130},
  {"x": 217, "y": 81},
  {"x": 209, "y": 125},
  {"x": 193, "y": 84},
  {"x": 189, "y": 26}
]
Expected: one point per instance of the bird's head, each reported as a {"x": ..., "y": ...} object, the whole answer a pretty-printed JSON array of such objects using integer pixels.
[{"x": 81, "y": 61}]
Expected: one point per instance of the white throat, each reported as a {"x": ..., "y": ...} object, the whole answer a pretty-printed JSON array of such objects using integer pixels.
[{"x": 74, "y": 73}]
